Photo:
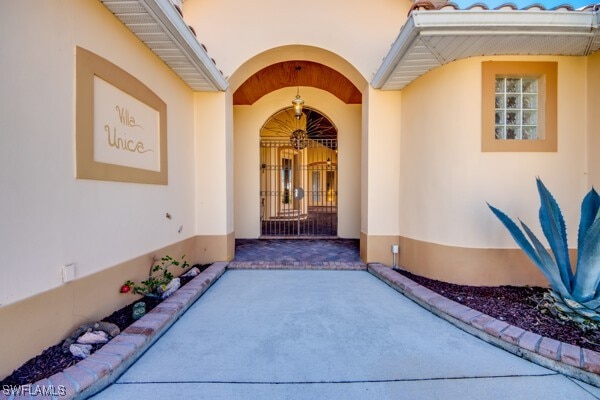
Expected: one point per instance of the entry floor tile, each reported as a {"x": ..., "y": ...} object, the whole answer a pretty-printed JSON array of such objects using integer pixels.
[{"x": 291, "y": 250}]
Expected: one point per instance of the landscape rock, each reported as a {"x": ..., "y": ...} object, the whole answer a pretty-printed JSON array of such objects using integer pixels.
[
  {"x": 191, "y": 273},
  {"x": 80, "y": 350},
  {"x": 170, "y": 288},
  {"x": 93, "y": 337},
  {"x": 108, "y": 327}
]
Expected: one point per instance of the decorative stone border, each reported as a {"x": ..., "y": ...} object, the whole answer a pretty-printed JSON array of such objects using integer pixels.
[
  {"x": 567, "y": 359},
  {"x": 327, "y": 265},
  {"x": 92, "y": 374}
]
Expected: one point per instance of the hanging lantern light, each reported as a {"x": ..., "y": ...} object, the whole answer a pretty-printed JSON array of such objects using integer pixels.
[{"x": 298, "y": 102}]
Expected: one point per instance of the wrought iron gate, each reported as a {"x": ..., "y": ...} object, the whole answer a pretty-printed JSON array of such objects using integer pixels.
[{"x": 298, "y": 188}]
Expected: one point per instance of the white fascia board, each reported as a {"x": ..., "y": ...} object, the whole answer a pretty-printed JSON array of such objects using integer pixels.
[
  {"x": 166, "y": 15},
  {"x": 408, "y": 33},
  {"x": 483, "y": 22}
]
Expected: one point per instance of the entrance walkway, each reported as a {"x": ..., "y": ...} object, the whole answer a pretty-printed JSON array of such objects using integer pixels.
[{"x": 326, "y": 335}]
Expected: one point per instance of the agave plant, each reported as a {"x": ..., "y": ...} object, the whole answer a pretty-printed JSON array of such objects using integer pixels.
[{"x": 574, "y": 297}]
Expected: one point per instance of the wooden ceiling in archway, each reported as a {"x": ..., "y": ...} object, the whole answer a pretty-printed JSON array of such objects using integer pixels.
[{"x": 284, "y": 74}]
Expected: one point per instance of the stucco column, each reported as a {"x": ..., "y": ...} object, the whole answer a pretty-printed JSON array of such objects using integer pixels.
[
  {"x": 213, "y": 126},
  {"x": 380, "y": 173}
]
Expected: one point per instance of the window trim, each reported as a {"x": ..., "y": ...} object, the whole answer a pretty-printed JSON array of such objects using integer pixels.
[{"x": 547, "y": 73}]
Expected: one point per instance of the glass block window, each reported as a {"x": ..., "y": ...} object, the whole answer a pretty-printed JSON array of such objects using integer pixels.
[
  {"x": 516, "y": 108},
  {"x": 519, "y": 106}
]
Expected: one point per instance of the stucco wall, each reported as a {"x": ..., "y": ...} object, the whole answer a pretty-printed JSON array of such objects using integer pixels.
[
  {"x": 593, "y": 120},
  {"x": 248, "y": 121},
  {"x": 380, "y": 172},
  {"x": 110, "y": 230},
  {"x": 446, "y": 179},
  {"x": 214, "y": 163},
  {"x": 51, "y": 218},
  {"x": 382, "y": 162},
  {"x": 260, "y": 26}
]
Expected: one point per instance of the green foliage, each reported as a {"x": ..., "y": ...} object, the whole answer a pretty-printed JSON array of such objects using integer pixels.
[
  {"x": 159, "y": 276},
  {"x": 573, "y": 297}
]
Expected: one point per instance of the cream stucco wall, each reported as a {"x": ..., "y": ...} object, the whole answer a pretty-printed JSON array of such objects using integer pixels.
[
  {"x": 382, "y": 162},
  {"x": 380, "y": 173},
  {"x": 51, "y": 218},
  {"x": 348, "y": 30},
  {"x": 445, "y": 226},
  {"x": 214, "y": 163},
  {"x": 446, "y": 179},
  {"x": 593, "y": 120},
  {"x": 248, "y": 121},
  {"x": 110, "y": 230}
]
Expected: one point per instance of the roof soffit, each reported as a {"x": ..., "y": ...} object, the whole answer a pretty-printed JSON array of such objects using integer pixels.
[
  {"x": 159, "y": 25},
  {"x": 430, "y": 39}
]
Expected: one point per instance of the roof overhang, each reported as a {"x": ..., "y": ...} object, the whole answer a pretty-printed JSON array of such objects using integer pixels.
[
  {"x": 158, "y": 24},
  {"x": 430, "y": 39}
]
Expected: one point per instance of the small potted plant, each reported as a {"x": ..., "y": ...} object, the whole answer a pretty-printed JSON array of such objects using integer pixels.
[{"x": 160, "y": 282}]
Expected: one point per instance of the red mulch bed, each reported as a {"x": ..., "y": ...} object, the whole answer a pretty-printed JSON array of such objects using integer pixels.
[
  {"x": 53, "y": 359},
  {"x": 515, "y": 305}
]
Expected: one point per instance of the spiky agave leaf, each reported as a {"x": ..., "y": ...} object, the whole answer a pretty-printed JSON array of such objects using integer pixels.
[
  {"x": 553, "y": 226},
  {"x": 547, "y": 264},
  {"x": 590, "y": 212},
  {"x": 587, "y": 276},
  {"x": 590, "y": 207},
  {"x": 567, "y": 309},
  {"x": 517, "y": 235},
  {"x": 581, "y": 304},
  {"x": 593, "y": 304},
  {"x": 543, "y": 261}
]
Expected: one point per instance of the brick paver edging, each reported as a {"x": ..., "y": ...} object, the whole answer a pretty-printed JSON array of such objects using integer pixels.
[
  {"x": 92, "y": 374},
  {"x": 570, "y": 360},
  {"x": 326, "y": 265}
]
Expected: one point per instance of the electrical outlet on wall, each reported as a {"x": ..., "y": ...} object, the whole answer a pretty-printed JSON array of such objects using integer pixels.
[{"x": 68, "y": 272}]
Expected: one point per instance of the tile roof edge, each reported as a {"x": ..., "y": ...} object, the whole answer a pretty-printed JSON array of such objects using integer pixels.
[{"x": 430, "y": 6}]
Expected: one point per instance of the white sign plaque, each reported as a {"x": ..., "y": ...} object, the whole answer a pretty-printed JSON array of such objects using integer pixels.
[{"x": 126, "y": 130}]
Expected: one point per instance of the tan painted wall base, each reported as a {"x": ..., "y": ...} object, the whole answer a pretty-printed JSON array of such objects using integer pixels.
[
  {"x": 35, "y": 323},
  {"x": 377, "y": 249},
  {"x": 215, "y": 248},
  {"x": 471, "y": 266}
]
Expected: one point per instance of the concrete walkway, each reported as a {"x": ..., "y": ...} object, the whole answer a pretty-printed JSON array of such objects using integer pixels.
[{"x": 290, "y": 334}]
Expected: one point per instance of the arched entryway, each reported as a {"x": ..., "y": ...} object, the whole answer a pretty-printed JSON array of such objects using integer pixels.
[
  {"x": 265, "y": 86},
  {"x": 299, "y": 175}
]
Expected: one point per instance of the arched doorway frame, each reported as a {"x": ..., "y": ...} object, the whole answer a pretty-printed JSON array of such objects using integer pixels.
[
  {"x": 299, "y": 175},
  {"x": 248, "y": 119}
]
